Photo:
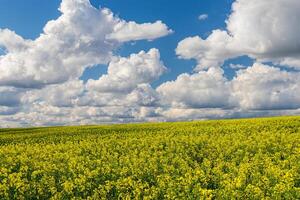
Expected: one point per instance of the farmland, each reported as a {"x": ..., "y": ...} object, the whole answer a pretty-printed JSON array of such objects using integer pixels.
[{"x": 224, "y": 159}]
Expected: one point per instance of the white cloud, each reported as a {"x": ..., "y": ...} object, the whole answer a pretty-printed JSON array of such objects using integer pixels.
[
  {"x": 39, "y": 79},
  {"x": 263, "y": 87},
  {"x": 124, "y": 74},
  {"x": 61, "y": 95},
  {"x": 127, "y": 31},
  {"x": 143, "y": 95},
  {"x": 130, "y": 99},
  {"x": 263, "y": 30},
  {"x": 267, "y": 31},
  {"x": 211, "y": 52},
  {"x": 203, "y": 17},
  {"x": 12, "y": 42},
  {"x": 259, "y": 90},
  {"x": 205, "y": 89},
  {"x": 82, "y": 36}
]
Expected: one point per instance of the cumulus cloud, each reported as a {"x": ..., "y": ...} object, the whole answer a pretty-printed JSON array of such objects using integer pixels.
[
  {"x": 59, "y": 95},
  {"x": 262, "y": 30},
  {"x": 124, "y": 74},
  {"x": 127, "y": 82},
  {"x": 266, "y": 31},
  {"x": 263, "y": 87},
  {"x": 68, "y": 45},
  {"x": 257, "y": 90},
  {"x": 127, "y": 31},
  {"x": 211, "y": 52},
  {"x": 205, "y": 89},
  {"x": 124, "y": 94},
  {"x": 11, "y": 42},
  {"x": 39, "y": 79},
  {"x": 143, "y": 95}
]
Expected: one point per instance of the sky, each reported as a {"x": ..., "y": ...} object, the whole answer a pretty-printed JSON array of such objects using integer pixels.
[
  {"x": 19, "y": 15},
  {"x": 69, "y": 62}
]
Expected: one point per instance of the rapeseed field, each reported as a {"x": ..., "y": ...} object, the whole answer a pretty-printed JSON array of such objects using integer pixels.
[{"x": 224, "y": 159}]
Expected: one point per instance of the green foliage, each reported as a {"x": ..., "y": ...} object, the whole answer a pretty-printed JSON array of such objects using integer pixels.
[{"x": 229, "y": 159}]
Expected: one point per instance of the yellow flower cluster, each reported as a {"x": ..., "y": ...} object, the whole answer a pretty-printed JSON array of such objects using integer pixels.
[{"x": 228, "y": 159}]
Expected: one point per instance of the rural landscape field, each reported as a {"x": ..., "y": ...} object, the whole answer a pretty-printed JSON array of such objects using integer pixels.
[
  {"x": 225, "y": 159},
  {"x": 135, "y": 99}
]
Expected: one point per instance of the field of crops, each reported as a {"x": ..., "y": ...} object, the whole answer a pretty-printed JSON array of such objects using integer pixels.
[{"x": 228, "y": 159}]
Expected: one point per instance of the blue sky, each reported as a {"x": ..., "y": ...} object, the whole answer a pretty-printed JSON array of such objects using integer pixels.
[{"x": 28, "y": 18}]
